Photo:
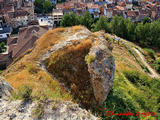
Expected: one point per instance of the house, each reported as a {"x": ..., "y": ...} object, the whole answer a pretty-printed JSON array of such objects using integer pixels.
[
  {"x": 80, "y": 11},
  {"x": 25, "y": 40},
  {"x": 108, "y": 13},
  {"x": 65, "y": 10},
  {"x": 93, "y": 9},
  {"x": 129, "y": 6},
  {"x": 5, "y": 60},
  {"x": 5, "y": 32},
  {"x": 122, "y": 4},
  {"x": 45, "y": 21},
  {"x": 57, "y": 15},
  {"x": 19, "y": 18},
  {"x": 118, "y": 10},
  {"x": 16, "y": 11},
  {"x": 54, "y": 2},
  {"x": 130, "y": 15}
]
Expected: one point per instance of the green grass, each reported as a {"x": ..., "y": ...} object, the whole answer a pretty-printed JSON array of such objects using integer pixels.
[
  {"x": 133, "y": 92},
  {"x": 23, "y": 93},
  {"x": 151, "y": 53}
]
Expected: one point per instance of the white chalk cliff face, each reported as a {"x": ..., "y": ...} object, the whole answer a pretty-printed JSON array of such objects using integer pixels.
[{"x": 83, "y": 63}]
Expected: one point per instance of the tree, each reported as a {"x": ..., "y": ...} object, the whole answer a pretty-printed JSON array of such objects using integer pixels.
[
  {"x": 102, "y": 24},
  {"x": 43, "y": 6},
  {"x": 47, "y": 6},
  {"x": 69, "y": 19},
  {"x": 143, "y": 34},
  {"x": 122, "y": 28},
  {"x": 2, "y": 47},
  {"x": 118, "y": 26},
  {"x": 155, "y": 30},
  {"x": 130, "y": 30},
  {"x": 86, "y": 20},
  {"x": 146, "y": 20},
  {"x": 38, "y": 6},
  {"x": 114, "y": 23}
]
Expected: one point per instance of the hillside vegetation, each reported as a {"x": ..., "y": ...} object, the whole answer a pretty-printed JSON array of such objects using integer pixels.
[{"x": 134, "y": 89}]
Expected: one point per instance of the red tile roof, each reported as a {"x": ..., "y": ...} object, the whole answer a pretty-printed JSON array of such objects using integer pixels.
[
  {"x": 131, "y": 13},
  {"x": 119, "y": 8},
  {"x": 26, "y": 39}
]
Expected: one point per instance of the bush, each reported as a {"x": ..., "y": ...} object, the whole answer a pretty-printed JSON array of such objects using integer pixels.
[
  {"x": 23, "y": 93},
  {"x": 32, "y": 69},
  {"x": 136, "y": 77},
  {"x": 151, "y": 53},
  {"x": 89, "y": 59},
  {"x": 118, "y": 102},
  {"x": 157, "y": 65},
  {"x": 2, "y": 47}
]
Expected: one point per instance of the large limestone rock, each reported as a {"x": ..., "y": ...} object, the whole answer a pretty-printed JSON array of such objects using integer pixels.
[
  {"x": 83, "y": 63},
  {"x": 51, "y": 110},
  {"x": 102, "y": 70}
]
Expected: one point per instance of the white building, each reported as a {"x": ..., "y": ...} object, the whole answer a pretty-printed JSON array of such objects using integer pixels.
[
  {"x": 57, "y": 15},
  {"x": 45, "y": 21}
]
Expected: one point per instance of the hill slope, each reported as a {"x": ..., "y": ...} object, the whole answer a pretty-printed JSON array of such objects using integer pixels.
[
  {"x": 135, "y": 89},
  {"x": 73, "y": 64},
  {"x": 67, "y": 64}
]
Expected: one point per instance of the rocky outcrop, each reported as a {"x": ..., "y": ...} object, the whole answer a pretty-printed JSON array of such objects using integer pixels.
[
  {"x": 78, "y": 59},
  {"x": 101, "y": 69},
  {"x": 69, "y": 67},
  {"x": 5, "y": 88},
  {"x": 28, "y": 110},
  {"x": 51, "y": 110}
]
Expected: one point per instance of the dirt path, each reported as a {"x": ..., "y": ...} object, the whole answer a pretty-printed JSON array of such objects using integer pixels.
[{"x": 152, "y": 72}]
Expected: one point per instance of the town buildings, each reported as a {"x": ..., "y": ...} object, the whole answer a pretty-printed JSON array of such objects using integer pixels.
[
  {"x": 19, "y": 44},
  {"x": 17, "y": 12},
  {"x": 135, "y": 11}
]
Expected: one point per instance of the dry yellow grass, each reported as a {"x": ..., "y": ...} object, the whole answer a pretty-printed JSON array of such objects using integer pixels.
[
  {"x": 123, "y": 59},
  {"x": 69, "y": 66},
  {"x": 25, "y": 71}
]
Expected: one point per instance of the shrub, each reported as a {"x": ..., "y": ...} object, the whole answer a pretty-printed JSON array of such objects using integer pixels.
[
  {"x": 2, "y": 47},
  {"x": 136, "y": 77},
  {"x": 132, "y": 76},
  {"x": 89, "y": 59},
  {"x": 32, "y": 69},
  {"x": 157, "y": 65},
  {"x": 23, "y": 93},
  {"x": 151, "y": 53}
]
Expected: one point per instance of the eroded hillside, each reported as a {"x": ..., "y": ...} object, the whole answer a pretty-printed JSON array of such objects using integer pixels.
[
  {"x": 74, "y": 64},
  {"x": 67, "y": 64}
]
